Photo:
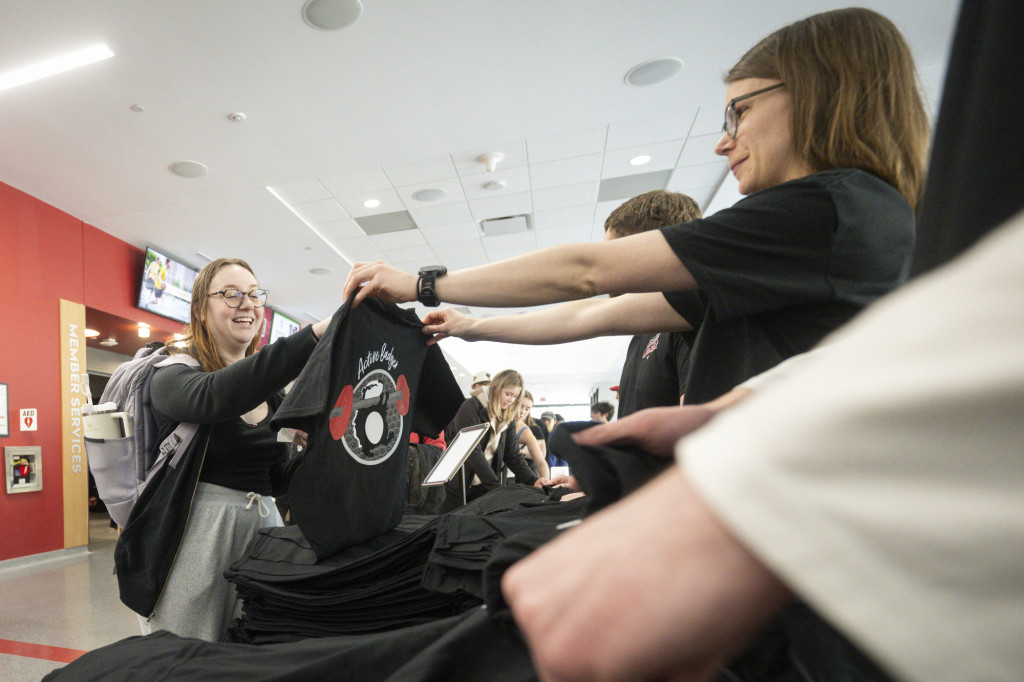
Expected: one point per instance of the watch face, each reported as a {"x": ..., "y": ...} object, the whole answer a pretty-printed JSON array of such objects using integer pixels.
[{"x": 435, "y": 270}]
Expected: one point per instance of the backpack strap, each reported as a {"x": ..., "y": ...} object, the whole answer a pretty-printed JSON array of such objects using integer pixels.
[{"x": 176, "y": 443}]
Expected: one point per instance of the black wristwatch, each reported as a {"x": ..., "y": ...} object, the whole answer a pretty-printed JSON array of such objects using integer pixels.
[{"x": 425, "y": 291}]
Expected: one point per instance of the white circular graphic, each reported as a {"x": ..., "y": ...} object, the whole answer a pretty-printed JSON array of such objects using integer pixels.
[{"x": 375, "y": 428}]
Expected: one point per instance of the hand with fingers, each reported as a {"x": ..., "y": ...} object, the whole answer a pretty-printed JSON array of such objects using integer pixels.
[
  {"x": 655, "y": 430},
  {"x": 445, "y": 322},
  {"x": 379, "y": 280}
]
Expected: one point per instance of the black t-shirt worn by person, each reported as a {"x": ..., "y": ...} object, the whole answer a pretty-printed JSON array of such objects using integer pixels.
[
  {"x": 784, "y": 267},
  {"x": 655, "y": 371}
]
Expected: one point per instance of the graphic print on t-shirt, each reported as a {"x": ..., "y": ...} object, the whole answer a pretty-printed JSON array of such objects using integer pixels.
[
  {"x": 368, "y": 418},
  {"x": 652, "y": 345}
]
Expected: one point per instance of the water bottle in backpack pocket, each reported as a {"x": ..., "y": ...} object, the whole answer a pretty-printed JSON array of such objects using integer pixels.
[{"x": 110, "y": 442}]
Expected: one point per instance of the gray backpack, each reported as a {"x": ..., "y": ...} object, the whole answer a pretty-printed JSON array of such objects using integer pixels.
[{"x": 120, "y": 433}]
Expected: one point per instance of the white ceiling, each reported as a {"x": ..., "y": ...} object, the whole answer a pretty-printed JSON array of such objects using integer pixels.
[{"x": 404, "y": 99}]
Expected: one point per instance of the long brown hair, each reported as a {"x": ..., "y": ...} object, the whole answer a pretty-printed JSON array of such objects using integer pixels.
[
  {"x": 529, "y": 417},
  {"x": 506, "y": 378},
  {"x": 855, "y": 97},
  {"x": 198, "y": 341}
]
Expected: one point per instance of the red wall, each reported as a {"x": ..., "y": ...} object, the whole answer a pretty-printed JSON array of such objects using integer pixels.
[{"x": 46, "y": 255}]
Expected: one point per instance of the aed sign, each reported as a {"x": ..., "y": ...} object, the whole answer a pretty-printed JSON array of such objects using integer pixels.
[{"x": 29, "y": 420}]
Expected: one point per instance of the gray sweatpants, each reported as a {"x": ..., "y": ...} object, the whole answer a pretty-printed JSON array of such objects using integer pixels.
[{"x": 197, "y": 600}]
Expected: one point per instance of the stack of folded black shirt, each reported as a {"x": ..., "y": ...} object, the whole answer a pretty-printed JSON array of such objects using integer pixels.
[{"x": 428, "y": 568}]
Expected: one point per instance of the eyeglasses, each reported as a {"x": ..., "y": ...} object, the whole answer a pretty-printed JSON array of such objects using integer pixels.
[
  {"x": 732, "y": 119},
  {"x": 233, "y": 297}
]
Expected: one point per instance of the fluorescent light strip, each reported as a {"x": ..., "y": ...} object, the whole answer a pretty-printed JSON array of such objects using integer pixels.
[
  {"x": 305, "y": 222},
  {"x": 54, "y": 65}
]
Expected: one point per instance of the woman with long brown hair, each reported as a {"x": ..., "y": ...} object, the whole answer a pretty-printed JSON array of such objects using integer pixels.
[
  {"x": 231, "y": 391},
  {"x": 496, "y": 404}
]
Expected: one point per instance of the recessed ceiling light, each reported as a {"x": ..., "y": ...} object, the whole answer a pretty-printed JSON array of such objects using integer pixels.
[
  {"x": 321, "y": 271},
  {"x": 137, "y": 108},
  {"x": 188, "y": 169},
  {"x": 109, "y": 341},
  {"x": 330, "y": 15},
  {"x": 371, "y": 203},
  {"x": 654, "y": 71},
  {"x": 495, "y": 185},
  {"x": 236, "y": 116},
  {"x": 639, "y": 160},
  {"x": 429, "y": 194},
  {"x": 54, "y": 65},
  {"x": 91, "y": 333}
]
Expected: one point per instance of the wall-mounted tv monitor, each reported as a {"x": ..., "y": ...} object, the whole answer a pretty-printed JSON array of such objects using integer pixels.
[
  {"x": 282, "y": 326},
  {"x": 166, "y": 286}
]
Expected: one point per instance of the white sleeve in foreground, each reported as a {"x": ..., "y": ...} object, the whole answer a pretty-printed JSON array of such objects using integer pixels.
[{"x": 883, "y": 478}]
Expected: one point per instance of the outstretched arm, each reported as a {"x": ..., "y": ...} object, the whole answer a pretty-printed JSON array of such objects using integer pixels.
[
  {"x": 642, "y": 262},
  {"x": 627, "y": 314}
]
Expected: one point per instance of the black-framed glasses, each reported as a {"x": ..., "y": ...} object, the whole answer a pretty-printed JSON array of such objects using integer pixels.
[
  {"x": 732, "y": 119},
  {"x": 233, "y": 297}
]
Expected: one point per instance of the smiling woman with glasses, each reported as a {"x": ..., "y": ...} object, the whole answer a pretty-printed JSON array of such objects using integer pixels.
[
  {"x": 234, "y": 297},
  {"x": 176, "y": 558}
]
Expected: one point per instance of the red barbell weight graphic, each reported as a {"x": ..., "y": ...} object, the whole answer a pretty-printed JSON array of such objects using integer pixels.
[{"x": 341, "y": 415}]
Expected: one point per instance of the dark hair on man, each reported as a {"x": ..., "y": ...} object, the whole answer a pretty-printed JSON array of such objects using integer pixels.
[
  {"x": 853, "y": 85},
  {"x": 601, "y": 407},
  {"x": 649, "y": 211}
]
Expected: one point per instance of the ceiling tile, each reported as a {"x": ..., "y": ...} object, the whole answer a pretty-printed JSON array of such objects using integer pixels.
[
  {"x": 322, "y": 211},
  {"x": 563, "y": 217},
  {"x": 566, "y": 195},
  {"x": 460, "y": 262},
  {"x": 703, "y": 175},
  {"x": 451, "y": 186},
  {"x": 339, "y": 229},
  {"x": 446, "y": 214},
  {"x": 388, "y": 198},
  {"x": 302, "y": 191},
  {"x": 462, "y": 248},
  {"x": 515, "y": 179},
  {"x": 521, "y": 243},
  {"x": 360, "y": 248},
  {"x": 566, "y": 171},
  {"x": 451, "y": 233},
  {"x": 501, "y": 254},
  {"x": 419, "y": 172},
  {"x": 356, "y": 182},
  {"x": 563, "y": 235},
  {"x": 501, "y": 206},
  {"x": 699, "y": 149},
  {"x": 422, "y": 253},
  {"x": 663, "y": 155},
  {"x": 566, "y": 145},
  {"x": 514, "y": 156},
  {"x": 648, "y": 131},
  {"x": 397, "y": 240}
]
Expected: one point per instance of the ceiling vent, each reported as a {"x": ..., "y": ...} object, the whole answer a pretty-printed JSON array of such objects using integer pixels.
[
  {"x": 512, "y": 224},
  {"x": 383, "y": 223}
]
